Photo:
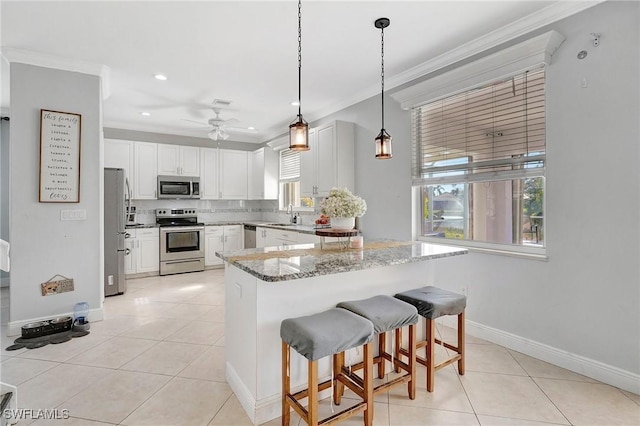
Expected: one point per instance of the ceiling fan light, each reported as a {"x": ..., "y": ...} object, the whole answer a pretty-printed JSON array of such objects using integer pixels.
[
  {"x": 299, "y": 135},
  {"x": 213, "y": 135}
]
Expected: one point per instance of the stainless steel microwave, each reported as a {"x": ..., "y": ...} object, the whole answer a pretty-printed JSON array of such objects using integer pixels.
[{"x": 176, "y": 187}]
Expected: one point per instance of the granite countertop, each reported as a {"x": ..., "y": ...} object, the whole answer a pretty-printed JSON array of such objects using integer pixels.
[
  {"x": 274, "y": 264},
  {"x": 141, "y": 225}
]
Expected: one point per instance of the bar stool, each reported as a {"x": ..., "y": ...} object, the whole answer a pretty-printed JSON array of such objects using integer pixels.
[
  {"x": 433, "y": 302},
  {"x": 387, "y": 314},
  {"x": 316, "y": 336}
]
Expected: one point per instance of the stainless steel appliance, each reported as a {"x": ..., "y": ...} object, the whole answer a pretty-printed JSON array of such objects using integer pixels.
[
  {"x": 181, "y": 241},
  {"x": 117, "y": 200},
  {"x": 249, "y": 236},
  {"x": 175, "y": 187}
]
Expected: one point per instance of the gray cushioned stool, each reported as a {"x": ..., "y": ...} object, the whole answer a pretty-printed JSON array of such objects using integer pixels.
[
  {"x": 433, "y": 302},
  {"x": 327, "y": 333},
  {"x": 389, "y": 314}
]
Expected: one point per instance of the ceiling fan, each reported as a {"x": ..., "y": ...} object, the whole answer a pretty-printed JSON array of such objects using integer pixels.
[{"x": 220, "y": 127}]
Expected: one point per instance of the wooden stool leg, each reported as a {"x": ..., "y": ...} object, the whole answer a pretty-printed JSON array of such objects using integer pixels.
[
  {"x": 412, "y": 360},
  {"x": 431, "y": 352},
  {"x": 398, "y": 336},
  {"x": 461, "y": 334},
  {"x": 382, "y": 343},
  {"x": 286, "y": 384},
  {"x": 368, "y": 383},
  {"x": 338, "y": 386},
  {"x": 312, "y": 395}
]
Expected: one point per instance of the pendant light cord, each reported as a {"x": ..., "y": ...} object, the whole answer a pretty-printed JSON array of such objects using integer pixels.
[
  {"x": 382, "y": 72},
  {"x": 299, "y": 58}
]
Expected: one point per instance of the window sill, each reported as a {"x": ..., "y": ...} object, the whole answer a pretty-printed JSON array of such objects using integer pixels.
[{"x": 531, "y": 253}]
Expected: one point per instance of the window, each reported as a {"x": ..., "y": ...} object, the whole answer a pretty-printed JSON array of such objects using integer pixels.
[
  {"x": 479, "y": 162},
  {"x": 290, "y": 182}
]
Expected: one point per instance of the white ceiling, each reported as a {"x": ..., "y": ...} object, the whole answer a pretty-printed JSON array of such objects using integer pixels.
[{"x": 246, "y": 52}]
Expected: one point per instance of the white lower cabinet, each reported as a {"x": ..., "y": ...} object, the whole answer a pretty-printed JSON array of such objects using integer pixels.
[
  {"x": 221, "y": 238},
  {"x": 144, "y": 251},
  {"x": 270, "y": 237}
]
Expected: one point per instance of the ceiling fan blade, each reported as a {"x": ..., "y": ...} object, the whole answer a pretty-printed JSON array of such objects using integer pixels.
[
  {"x": 197, "y": 122},
  {"x": 241, "y": 130}
]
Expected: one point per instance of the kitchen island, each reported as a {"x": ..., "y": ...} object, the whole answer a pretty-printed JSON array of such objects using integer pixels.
[{"x": 266, "y": 285}]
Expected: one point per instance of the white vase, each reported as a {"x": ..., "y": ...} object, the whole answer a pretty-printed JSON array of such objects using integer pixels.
[{"x": 343, "y": 223}]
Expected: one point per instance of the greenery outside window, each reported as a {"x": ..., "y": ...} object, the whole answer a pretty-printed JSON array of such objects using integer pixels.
[
  {"x": 289, "y": 182},
  {"x": 479, "y": 162}
]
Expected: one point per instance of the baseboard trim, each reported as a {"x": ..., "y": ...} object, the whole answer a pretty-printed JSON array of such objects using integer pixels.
[
  {"x": 266, "y": 409},
  {"x": 242, "y": 393},
  {"x": 597, "y": 370},
  {"x": 14, "y": 328}
]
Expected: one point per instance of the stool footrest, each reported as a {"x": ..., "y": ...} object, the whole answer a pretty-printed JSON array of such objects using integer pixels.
[
  {"x": 425, "y": 362},
  {"x": 304, "y": 393},
  {"x": 341, "y": 415}
]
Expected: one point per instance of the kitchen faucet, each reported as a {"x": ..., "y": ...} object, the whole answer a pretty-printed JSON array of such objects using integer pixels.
[{"x": 292, "y": 218}]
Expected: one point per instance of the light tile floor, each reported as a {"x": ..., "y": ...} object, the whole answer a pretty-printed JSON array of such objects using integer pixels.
[{"x": 158, "y": 359}]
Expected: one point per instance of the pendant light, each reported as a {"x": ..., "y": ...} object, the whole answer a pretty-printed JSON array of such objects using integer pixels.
[
  {"x": 299, "y": 129},
  {"x": 383, "y": 140}
]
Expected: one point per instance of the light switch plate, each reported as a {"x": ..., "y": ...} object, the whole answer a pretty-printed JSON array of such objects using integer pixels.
[{"x": 78, "y": 214}]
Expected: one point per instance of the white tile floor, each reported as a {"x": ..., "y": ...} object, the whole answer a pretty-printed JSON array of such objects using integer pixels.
[{"x": 158, "y": 359}]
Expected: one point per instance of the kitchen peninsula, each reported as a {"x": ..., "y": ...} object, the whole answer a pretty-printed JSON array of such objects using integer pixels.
[{"x": 264, "y": 286}]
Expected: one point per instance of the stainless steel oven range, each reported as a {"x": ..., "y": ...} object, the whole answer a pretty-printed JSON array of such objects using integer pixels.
[{"x": 181, "y": 241}]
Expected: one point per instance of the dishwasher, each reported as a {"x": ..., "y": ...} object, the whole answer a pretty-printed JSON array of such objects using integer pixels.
[{"x": 249, "y": 236}]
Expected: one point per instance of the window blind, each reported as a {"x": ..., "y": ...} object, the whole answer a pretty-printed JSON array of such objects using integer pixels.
[
  {"x": 497, "y": 130},
  {"x": 289, "y": 165}
]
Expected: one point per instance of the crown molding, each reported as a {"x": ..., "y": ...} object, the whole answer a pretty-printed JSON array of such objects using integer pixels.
[
  {"x": 46, "y": 60},
  {"x": 521, "y": 27},
  {"x": 527, "y": 55}
]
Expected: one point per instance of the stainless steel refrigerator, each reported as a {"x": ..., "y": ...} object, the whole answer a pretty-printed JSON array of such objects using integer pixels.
[{"x": 116, "y": 199}]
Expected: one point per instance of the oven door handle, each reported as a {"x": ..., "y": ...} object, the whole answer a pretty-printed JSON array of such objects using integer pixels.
[{"x": 183, "y": 229}]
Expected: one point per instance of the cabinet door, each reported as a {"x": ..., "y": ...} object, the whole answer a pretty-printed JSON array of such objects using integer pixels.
[
  {"x": 326, "y": 163},
  {"x": 214, "y": 241},
  {"x": 189, "y": 161},
  {"x": 308, "y": 167},
  {"x": 148, "y": 252},
  {"x": 261, "y": 237},
  {"x": 168, "y": 159},
  {"x": 145, "y": 156},
  {"x": 130, "y": 258},
  {"x": 233, "y": 174},
  {"x": 119, "y": 154},
  {"x": 271, "y": 238},
  {"x": 307, "y": 238},
  {"x": 209, "y": 174},
  {"x": 233, "y": 237},
  {"x": 256, "y": 174}
]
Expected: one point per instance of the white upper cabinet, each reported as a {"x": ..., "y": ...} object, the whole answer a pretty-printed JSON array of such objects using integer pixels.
[
  {"x": 209, "y": 171},
  {"x": 178, "y": 160},
  {"x": 263, "y": 174},
  {"x": 145, "y": 170},
  {"x": 330, "y": 161},
  {"x": 233, "y": 174},
  {"x": 119, "y": 154}
]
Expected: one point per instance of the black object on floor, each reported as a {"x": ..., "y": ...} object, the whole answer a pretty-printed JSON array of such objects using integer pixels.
[{"x": 38, "y": 342}]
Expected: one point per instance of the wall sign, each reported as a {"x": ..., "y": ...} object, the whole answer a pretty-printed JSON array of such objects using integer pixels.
[{"x": 59, "y": 157}]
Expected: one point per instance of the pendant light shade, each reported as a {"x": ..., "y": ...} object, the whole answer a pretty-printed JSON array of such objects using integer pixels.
[
  {"x": 299, "y": 135},
  {"x": 383, "y": 140},
  {"x": 299, "y": 128},
  {"x": 383, "y": 145}
]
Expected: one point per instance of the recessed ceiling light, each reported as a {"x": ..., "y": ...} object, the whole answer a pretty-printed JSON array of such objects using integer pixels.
[
  {"x": 146, "y": 114},
  {"x": 251, "y": 128},
  {"x": 295, "y": 103},
  {"x": 160, "y": 77}
]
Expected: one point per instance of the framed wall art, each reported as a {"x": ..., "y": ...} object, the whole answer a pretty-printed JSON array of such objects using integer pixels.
[{"x": 59, "y": 157}]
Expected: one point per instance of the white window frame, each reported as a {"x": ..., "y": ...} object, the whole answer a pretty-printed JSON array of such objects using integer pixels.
[{"x": 528, "y": 55}]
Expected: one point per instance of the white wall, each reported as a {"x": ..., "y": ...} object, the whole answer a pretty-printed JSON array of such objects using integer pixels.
[
  {"x": 42, "y": 245},
  {"x": 4, "y": 192},
  {"x": 581, "y": 308}
]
